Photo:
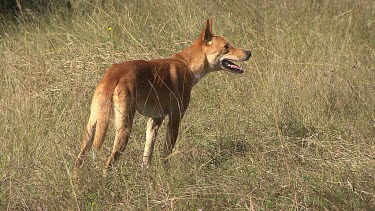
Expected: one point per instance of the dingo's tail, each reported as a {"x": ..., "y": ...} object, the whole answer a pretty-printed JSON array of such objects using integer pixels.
[{"x": 97, "y": 125}]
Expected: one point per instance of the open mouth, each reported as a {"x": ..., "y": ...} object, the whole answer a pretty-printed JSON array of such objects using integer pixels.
[{"x": 228, "y": 65}]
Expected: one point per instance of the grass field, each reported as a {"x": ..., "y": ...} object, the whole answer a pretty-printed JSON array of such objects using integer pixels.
[{"x": 296, "y": 131}]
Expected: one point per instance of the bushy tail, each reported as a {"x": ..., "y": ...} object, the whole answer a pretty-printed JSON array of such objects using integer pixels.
[
  {"x": 103, "y": 111},
  {"x": 97, "y": 125}
]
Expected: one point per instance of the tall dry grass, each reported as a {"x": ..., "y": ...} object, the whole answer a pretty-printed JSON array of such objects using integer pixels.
[{"x": 295, "y": 131}]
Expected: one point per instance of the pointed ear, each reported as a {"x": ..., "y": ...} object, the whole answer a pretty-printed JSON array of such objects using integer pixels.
[{"x": 207, "y": 34}]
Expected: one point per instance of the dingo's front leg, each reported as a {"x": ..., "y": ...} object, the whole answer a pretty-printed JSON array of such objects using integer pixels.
[{"x": 172, "y": 134}]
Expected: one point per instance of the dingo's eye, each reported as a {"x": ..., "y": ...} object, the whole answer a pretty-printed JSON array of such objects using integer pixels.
[{"x": 226, "y": 46}]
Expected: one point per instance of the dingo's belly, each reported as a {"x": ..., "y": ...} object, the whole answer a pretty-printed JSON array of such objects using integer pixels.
[{"x": 152, "y": 108}]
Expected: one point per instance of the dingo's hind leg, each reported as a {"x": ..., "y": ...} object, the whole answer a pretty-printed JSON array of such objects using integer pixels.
[
  {"x": 124, "y": 109},
  {"x": 153, "y": 125}
]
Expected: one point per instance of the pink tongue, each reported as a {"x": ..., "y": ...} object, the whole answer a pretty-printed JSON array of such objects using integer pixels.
[{"x": 234, "y": 66}]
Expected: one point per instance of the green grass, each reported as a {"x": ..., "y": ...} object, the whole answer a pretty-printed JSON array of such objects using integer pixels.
[{"x": 294, "y": 132}]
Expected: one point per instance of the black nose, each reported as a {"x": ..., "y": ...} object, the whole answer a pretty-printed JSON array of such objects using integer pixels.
[{"x": 248, "y": 54}]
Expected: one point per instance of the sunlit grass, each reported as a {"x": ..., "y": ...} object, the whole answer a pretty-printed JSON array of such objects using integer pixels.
[{"x": 295, "y": 131}]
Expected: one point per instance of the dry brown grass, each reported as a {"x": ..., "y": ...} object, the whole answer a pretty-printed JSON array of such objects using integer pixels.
[{"x": 295, "y": 131}]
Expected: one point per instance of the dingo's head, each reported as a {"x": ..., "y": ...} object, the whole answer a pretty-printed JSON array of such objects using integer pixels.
[{"x": 220, "y": 54}]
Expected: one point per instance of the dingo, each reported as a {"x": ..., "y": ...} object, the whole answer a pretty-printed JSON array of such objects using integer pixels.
[{"x": 156, "y": 89}]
